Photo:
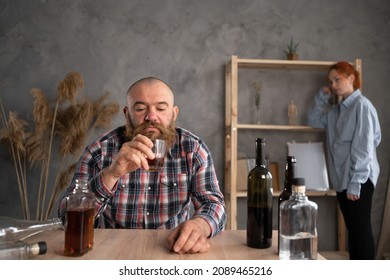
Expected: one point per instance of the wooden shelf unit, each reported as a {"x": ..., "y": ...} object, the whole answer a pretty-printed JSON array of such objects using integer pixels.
[{"x": 232, "y": 126}]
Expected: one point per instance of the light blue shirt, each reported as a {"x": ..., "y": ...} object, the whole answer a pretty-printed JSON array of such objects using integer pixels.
[{"x": 353, "y": 134}]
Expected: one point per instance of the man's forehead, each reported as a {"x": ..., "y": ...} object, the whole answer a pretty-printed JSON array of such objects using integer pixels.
[{"x": 146, "y": 92}]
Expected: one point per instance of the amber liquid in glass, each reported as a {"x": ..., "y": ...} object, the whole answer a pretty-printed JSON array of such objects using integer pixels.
[
  {"x": 79, "y": 231},
  {"x": 155, "y": 164}
]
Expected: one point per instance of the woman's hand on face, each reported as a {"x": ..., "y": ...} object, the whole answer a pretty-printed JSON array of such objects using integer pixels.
[{"x": 327, "y": 90}]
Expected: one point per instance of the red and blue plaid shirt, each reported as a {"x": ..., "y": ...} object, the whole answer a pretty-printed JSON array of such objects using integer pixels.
[{"x": 153, "y": 200}]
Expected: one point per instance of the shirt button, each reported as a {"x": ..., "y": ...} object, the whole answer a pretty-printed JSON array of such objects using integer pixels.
[
  {"x": 102, "y": 199},
  {"x": 147, "y": 213},
  {"x": 149, "y": 188},
  {"x": 123, "y": 186}
]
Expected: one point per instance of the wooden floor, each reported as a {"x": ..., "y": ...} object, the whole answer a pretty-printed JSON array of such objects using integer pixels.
[{"x": 335, "y": 255}]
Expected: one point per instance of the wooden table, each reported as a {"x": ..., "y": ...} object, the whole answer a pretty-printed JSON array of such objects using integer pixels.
[{"x": 130, "y": 244}]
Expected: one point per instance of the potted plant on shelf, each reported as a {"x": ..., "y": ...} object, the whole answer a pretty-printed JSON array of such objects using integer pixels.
[{"x": 291, "y": 50}]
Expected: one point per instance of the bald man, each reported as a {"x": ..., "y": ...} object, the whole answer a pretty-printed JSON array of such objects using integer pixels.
[{"x": 130, "y": 196}]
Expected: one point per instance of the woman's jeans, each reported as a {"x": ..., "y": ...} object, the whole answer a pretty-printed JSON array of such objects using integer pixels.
[{"x": 357, "y": 217}]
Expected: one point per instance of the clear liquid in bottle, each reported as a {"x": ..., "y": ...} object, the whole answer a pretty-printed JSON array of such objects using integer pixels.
[
  {"x": 301, "y": 246},
  {"x": 289, "y": 174},
  {"x": 298, "y": 225}
]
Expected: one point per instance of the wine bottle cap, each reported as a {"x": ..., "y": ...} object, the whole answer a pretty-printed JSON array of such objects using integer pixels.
[
  {"x": 260, "y": 140},
  {"x": 291, "y": 158},
  {"x": 42, "y": 247},
  {"x": 298, "y": 181},
  {"x": 39, "y": 248}
]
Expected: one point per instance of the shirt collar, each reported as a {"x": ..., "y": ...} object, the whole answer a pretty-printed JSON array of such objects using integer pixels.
[{"x": 350, "y": 99}]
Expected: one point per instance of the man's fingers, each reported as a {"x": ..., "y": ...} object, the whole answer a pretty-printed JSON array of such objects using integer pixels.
[
  {"x": 190, "y": 241},
  {"x": 172, "y": 237}
]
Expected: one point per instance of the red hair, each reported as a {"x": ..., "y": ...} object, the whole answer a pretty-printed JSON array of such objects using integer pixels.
[{"x": 347, "y": 69}]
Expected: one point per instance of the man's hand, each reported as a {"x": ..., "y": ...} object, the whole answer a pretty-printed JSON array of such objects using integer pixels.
[
  {"x": 190, "y": 237},
  {"x": 131, "y": 156}
]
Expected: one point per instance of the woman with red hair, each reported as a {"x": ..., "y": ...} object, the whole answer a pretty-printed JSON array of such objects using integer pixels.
[{"x": 353, "y": 134}]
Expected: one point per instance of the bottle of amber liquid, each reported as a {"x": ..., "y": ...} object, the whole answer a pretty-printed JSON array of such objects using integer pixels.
[
  {"x": 259, "y": 203},
  {"x": 287, "y": 190},
  {"x": 79, "y": 220}
]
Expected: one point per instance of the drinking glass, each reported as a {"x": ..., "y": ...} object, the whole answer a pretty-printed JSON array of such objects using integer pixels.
[{"x": 159, "y": 149}]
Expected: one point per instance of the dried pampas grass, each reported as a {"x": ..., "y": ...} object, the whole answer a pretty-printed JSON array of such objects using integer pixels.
[
  {"x": 69, "y": 87},
  {"x": 104, "y": 113},
  {"x": 72, "y": 123}
]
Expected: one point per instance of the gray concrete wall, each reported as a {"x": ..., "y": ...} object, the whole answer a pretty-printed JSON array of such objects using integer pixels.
[{"x": 187, "y": 43}]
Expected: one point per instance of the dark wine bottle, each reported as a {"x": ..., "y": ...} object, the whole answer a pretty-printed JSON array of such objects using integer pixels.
[
  {"x": 259, "y": 203},
  {"x": 287, "y": 190}
]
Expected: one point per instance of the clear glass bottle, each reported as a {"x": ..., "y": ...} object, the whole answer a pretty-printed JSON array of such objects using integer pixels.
[
  {"x": 298, "y": 225},
  {"x": 289, "y": 174},
  {"x": 21, "y": 250},
  {"x": 80, "y": 208},
  {"x": 259, "y": 201},
  {"x": 16, "y": 229}
]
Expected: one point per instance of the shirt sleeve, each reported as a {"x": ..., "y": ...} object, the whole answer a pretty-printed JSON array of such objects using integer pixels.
[
  {"x": 317, "y": 114},
  {"x": 206, "y": 195},
  {"x": 362, "y": 149}
]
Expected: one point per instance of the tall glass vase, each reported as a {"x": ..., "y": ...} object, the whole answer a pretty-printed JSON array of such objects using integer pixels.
[{"x": 257, "y": 115}]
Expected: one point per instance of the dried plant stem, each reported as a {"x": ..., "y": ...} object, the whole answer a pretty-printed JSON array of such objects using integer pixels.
[
  {"x": 24, "y": 180},
  {"x": 22, "y": 185},
  {"x": 56, "y": 190},
  {"x": 47, "y": 163},
  {"x": 39, "y": 198},
  {"x": 20, "y": 174}
]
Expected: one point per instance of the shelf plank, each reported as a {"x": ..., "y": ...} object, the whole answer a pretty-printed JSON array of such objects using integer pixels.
[
  {"x": 279, "y": 127},
  {"x": 308, "y": 193},
  {"x": 285, "y": 64}
]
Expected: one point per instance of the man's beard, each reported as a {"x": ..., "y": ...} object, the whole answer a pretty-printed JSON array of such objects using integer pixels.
[{"x": 166, "y": 133}]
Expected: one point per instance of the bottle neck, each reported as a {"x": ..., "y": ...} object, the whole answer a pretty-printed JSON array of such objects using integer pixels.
[
  {"x": 260, "y": 157},
  {"x": 289, "y": 173},
  {"x": 14, "y": 229},
  {"x": 81, "y": 187},
  {"x": 20, "y": 250}
]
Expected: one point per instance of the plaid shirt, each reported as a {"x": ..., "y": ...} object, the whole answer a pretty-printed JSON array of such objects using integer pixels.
[{"x": 153, "y": 200}]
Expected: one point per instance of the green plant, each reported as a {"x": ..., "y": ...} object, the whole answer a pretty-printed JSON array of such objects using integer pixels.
[{"x": 292, "y": 47}]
